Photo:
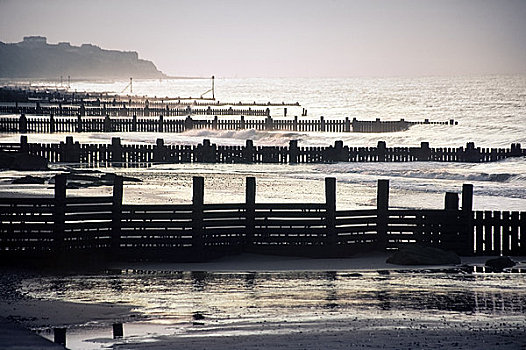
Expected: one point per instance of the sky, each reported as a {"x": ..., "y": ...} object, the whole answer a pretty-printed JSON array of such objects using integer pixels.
[{"x": 288, "y": 38}]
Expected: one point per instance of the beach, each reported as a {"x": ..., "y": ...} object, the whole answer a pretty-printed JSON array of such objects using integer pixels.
[{"x": 269, "y": 302}]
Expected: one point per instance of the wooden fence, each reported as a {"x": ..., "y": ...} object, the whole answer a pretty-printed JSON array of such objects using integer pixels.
[
  {"x": 166, "y": 123},
  {"x": 123, "y": 111},
  {"x": 45, "y": 96},
  {"x": 133, "y": 155},
  {"x": 69, "y": 227}
]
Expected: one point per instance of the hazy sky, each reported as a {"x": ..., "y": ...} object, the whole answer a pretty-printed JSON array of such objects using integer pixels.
[{"x": 282, "y": 38}]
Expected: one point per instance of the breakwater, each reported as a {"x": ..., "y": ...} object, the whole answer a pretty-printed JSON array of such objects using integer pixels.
[
  {"x": 171, "y": 124},
  {"x": 134, "y": 155},
  {"x": 72, "y": 227}
]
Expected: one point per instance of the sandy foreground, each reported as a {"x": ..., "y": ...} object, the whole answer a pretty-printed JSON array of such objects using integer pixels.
[{"x": 389, "y": 329}]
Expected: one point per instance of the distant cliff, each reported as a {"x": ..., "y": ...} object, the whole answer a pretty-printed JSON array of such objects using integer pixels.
[{"x": 35, "y": 58}]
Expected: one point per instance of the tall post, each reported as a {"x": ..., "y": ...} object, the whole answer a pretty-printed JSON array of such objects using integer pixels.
[
  {"x": 159, "y": 151},
  {"x": 70, "y": 150},
  {"x": 295, "y": 123},
  {"x": 451, "y": 201},
  {"x": 116, "y": 150},
  {"x": 52, "y": 127},
  {"x": 250, "y": 201},
  {"x": 450, "y": 238},
  {"x": 293, "y": 151},
  {"x": 382, "y": 209},
  {"x": 197, "y": 214},
  {"x": 330, "y": 207},
  {"x": 59, "y": 336},
  {"x": 107, "y": 123},
  {"x": 248, "y": 152},
  {"x": 134, "y": 123},
  {"x": 322, "y": 124},
  {"x": 213, "y": 89},
  {"x": 60, "y": 209},
  {"x": 467, "y": 219},
  {"x": 22, "y": 124},
  {"x": 269, "y": 123},
  {"x": 242, "y": 123},
  {"x": 24, "y": 147},
  {"x": 381, "y": 150},
  {"x": 188, "y": 123},
  {"x": 79, "y": 122},
  {"x": 214, "y": 123},
  {"x": 116, "y": 216},
  {"x": 161, "y": 123},
  {"x": 347, "y": 125}
]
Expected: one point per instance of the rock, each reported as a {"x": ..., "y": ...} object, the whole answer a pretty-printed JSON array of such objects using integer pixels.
[
  {"x": 500, "y": 263},
  {"x": 29, "y": 180},
  {"x": 421, "y": 255},
  {"x": 29, "y": 162}
]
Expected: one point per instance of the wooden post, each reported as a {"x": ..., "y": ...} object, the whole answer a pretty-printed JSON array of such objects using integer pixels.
[
  {"x": 159, "y": 151},
  {"x": 107, "y": 123},
  {"x": 59, "y": 336},
  {"x": 79, "y": 122},
  {"x": 295, "y": 123},
  {"x": 188, "y": 123},
  {"x": 214, "y": 123},
  {"x": 118, "y": 332},
  {"x": 146, "y": 111},
  {"x": 70, "y": 151},
  {"x": 60, "y": 209},
  {"x": 424, "y": 153},
  {"x": 161, "y": 123},
  {"x": 134, "y": 123},
  {"x": 467, "y": 219},
  {"x": 382, "y": 208},
  {"x": 451, "y": 201},
  {"x": 116, "y": 216},
  {"x": 269, "y": 124},
  {"x": 381, "y": 151},
  {"x": 242, "y": 123},
  {"x": 250, "y": 201},
  {"x": 467, "y": 198},
  {"x": 51, "y": 123},
  {"x": 293, "y": 151},
  {"x": 347, "y": 125},
  {"x": 22, "y": 124},
  {"x": 248, "y": 152},
  {"x": 450, "y": 238},
  {"x": 330, "y": 207},
  {"x": 116, "y": 150},
  {"x": 197, "y": 214},
  {"x": 322, "y": 124},
  {"x": 24, "y": 147}
]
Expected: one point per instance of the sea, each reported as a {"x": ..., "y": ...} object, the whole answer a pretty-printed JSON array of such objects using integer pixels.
[{"x": 490, "y": 111}]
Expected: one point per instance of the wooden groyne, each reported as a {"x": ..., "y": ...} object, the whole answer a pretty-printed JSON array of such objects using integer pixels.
[
  {"x": 129, "y": 111},
  {"x": 171, "y": 124},
  {"x": 133, "y": 155},
  {"x": 45, "y": 95},
  {"x": 75, "y": 227}
]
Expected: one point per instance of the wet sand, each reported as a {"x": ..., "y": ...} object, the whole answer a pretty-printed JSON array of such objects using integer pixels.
[{"x": 331, "y": 329}]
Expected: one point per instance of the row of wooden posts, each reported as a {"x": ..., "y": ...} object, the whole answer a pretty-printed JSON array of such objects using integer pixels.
[
  {"x": 133, "y": 155},
  {"x": 45, "y": 96},
  {"x": 161, "y": 124},
  {"x": 127, "y": 111},
  {"x": 67, "y": 227}
]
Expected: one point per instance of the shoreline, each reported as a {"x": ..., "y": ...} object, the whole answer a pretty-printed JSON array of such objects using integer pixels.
[{"x": 373, "y": 330}]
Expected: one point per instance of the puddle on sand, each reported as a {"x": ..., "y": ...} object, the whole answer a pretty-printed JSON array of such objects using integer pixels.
[{"x": 186, "y": 304}]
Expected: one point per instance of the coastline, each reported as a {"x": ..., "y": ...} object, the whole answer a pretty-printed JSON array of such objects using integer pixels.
[{"x": 335, "y": 332}]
